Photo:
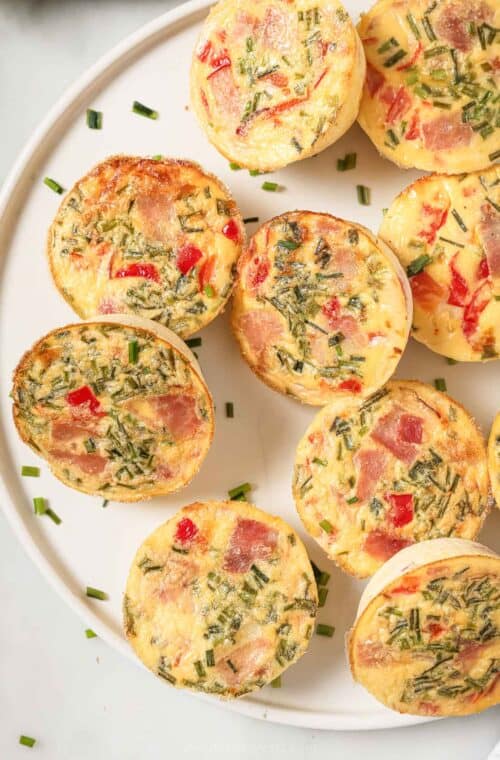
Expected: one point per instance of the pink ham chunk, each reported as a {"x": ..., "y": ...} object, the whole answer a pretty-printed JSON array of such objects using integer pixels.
[
  {"x": 90, "y": 464},
  {"x": 251, "y": 540},
  {"x": 260, "y": 329},
  {"x": 177, "y": 412},
  {"x": 446, "y": 132},
  {"x": 399, "y": 433},
  {"x": 489, "y": 231},
  {"x": 382, "y": 546},
  {"x": 370, "y": 464}
]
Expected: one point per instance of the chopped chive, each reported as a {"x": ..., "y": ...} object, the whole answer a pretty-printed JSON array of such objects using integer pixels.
[
  {"x": 276, "y": 683},
  {"x": 229, "y": 409},
  {"x": 387, "y": 45},
  {"x": 27, "y": 741},
  {"x": 210, "y": 658},
  {"x": 94, "y": 119},
  {"x": 270, "y": 187},
  {"x": 321, "y": 462},
  {"x": 450, "y": 361},
  {"x": 439, "y": 50},
  {"x": 157, "y": 157},
  {"x": 347, "y": 163},
  {"x": 393, "y": 137},
  {"x": 200, "y": 670},
  {"x": 413, "y": 25},
  {"x": 239, "y": 491},
  {"x": 441, "y": 104},
  {"x": 55, "y": 186},
  {"x": 364, "y": 195},
  {"x": 451, "y": 242},
  {"x": 143, "y": 110},
  {"x": 53, "y": 516},
  {"x": 133, "y": 351},
  {"x": 290, "y": 245},
  {"x": 209, "y": 291},
  {"x": 193, "y": 342},
  {"x": 322, "y": 594},
  {"x": 105, "y": 503},
  {"x": 255, "y": 172},
  {"x": 251, "y": 219},
  {"x": 320, "y": 576},
  {"x": 417, "y": 265},
  {"x": 352, "y": 500},
  {"x": 393, "y": 59},
  {"x": 428, "y": 29},
  {"x": 95, "y": 593},
  {"x": 322, "y": 629},
  {"x": 234, "y": 167},
  {"x": 90, "y": 634},
  {"x": 494, "y": 156},
  {"x": 326, "y": 525},
  {"x": 30, "y": 472},
  {"x": 458, "y": 220},
  {"x": 440, "y": 384},
  {"x": 40, "y": 505}
]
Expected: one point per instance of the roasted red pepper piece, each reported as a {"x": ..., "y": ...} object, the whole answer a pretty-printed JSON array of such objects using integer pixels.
[
  {"x": 84, "y": 396},
  {"x": 352, "y": 385},
  {"x": 401, "y": 512},
  {"x": 148, "y": 271},
  {"x": 231, "y": 231},
  {"x": 459, "y": 290},
  {"x": 187, "y": 257},
  {"x": 186, "y": 530}
]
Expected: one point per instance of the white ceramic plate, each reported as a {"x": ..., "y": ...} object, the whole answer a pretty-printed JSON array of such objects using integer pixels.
[{"x": 94, "y": 546}]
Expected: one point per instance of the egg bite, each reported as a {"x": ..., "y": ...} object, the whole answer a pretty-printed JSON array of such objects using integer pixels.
[
  {"x": 446, "y": 232},
  {"x": 158, "y": 238},
  {"x": 405, "y": 465},
  {"x": 426, "y": 640},
  {"x": 321, "y": 308},
  {"x": 430, "y": 94},
  {"x": 220, "y": 599},
  {"x": 277, "y": 81},
  {"x": 117, "y": 406},
  {"x": 494, "y": 458}
]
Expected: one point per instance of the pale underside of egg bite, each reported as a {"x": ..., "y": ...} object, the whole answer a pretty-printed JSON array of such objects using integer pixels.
[
  {"x": 427, "y": 638},
  {"x": 319, "y": 308},
  {"x": 156, "y": 238},
  {"x": 117, "y": 410},
  {"x": 220, "y": 599},
  {"x": 276, "y": 82},
  {"x": 494, "y": 458},
  {"x": 445, "y": 231},
  {"x": 373, "y": 477},
  {"x": 429, "y": 99}
]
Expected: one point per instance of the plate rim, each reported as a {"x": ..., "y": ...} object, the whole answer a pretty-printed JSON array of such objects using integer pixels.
[{"x": 11, "y": 193}]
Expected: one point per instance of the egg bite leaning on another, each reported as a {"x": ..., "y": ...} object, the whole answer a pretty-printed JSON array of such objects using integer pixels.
[
  {"x": 494, "y": 458},
  {"x": 157, "y": 238},
  {"x": 430, "y": 95},
  {"x": 321, "y": 307},
  {"x": 405, "y": 465},
  {"x": 117, "y": 407},
  {"x": 445, "y": 231},
  {"x": 220, "y": 599},
  {"x": 274, "y": 82},
  {"x": 426, "y": 640}
]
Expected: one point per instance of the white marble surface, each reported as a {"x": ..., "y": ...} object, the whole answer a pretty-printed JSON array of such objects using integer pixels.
[{"x": 76, "y": 696}]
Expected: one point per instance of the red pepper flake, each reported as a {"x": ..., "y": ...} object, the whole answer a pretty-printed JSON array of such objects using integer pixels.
[
  {"x": 148, "y": 271},
  {"x": 186, "y": 530},
  {"x": 438, "y": 217},
  {"x": 409, "y": 585},
  {"x": 231, "y": 231},
  {"x": 398, "y": 103},
  {"x": 84, "y": 396},
  {"x": 474, "y": 309},
  {"x": 412, "y": 60},
  {"x": 187, "y": 257},
  {"x": 219, "y": 62},
  {"x": 205, "y": 51},
  {"x": 459, "y": 290},
  {"x": 483, "y": 271},
  {"x": 352, "y": 385},
  {"x": 413, "y": 131},
  {"x": 401, "y": 512}
]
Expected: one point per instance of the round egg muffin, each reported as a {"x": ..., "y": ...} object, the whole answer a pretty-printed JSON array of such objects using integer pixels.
[
  {"x": 373, "y": 477},
  {"x": 220, "y": 599},
  {"x": 156, "y": 238},
  {"x": 426, "y": 640},
  {"x": 494, "y": 458},
  {"x": 117, "y": 407},
  {"x": 430, "y": 94},
  {"x": 446, "y": 232},
  {"x": 321, "y": 308},
  {"x": 276, "y": 81}
]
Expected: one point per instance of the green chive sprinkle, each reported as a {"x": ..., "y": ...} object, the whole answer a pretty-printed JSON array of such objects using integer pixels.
[
  {"x": 276, "y": 683},
  {"x": 451, "y": 361},
  {"x": 30, "y": 472},
  {"x": 239, "y": 491},
  {"x": 322, "y": 629},
  {"x": 255, "y": 172},
  {"x": 352, "y": 500},
  {"x": 270, "y": 187},
  {"x": 53, "y": 516},
  {"x": 27, "y": 741},
  {"x": 393, "y": 59},
  {"x": 105, "y": 503},
  {"x": 440, "y": 384},
  {"x": 320, "y": 462},
  {"x": 55, "y": 186},
  {"x": 143, "y": 110},
  {"x": 322, "y": 594},
  {"x": 458, "y": 220},
  {"x": 133, "y": 351},
  {"x": 364, "y": 195},
  {"x": 90, "y": 634},
  {"x": 418, "y": 264},
  {"x": 234, "y": 167},
  {"x": 320, "y": 576},
  {"x": 251, "y": 219},
  {"x": 193, "y": 342},
  {"x": 40, "y": 505},
  {"x": 494, "y": 156},
  {"x": 348, "y": 162},
  {"x": 229, "y": 409},
  {"x": 290, "y": 245},
  {"x": 157, "y": 157},
  {"x": 209, "y": 291},
  {"x": 94, "y": 119},
  {"x": 327, "y": 526},
  {"x": 210, "y": 658},
  {"x": 95, "y": 593}
]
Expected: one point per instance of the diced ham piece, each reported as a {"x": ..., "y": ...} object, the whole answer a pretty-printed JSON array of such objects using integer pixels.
[
  {"x": 427, "y": 293},
  {"x": 251, "y": 540},
  {"x": 382, "y": 546},
  {"x": 489, "y": 231},
  {"x": 391, "y": 431},
  {"x": 446, "y": 132},
  {"x": 70, "y": 430},
  {"x": 177, "y": 411},
  {"x": 225, "y": 92},
  {"x": 91, "y": 464},
  {"x": 277, "y": 32},
  {"x": 154, "y": 212},
  {"x": 410, "y": 428},
  {"x": 179, "y": 572},
  {"x": 344, "y": 261},
  {"x": 453, "y": 22},
  {"x": 372, "y": 653},
  {"x": 370, "y": 465},
  {"x": 472, "y": 312},
  {"x": 434, "y": 217},
  {"x": 398, "y": 102},
  {"x": 459, "y": 290},
  {"x": 250, "y": 661},
  {"x": 339, "y": 321},
  {"x": 374, "y": 79},
  {"x": 261, "y": 329}
]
